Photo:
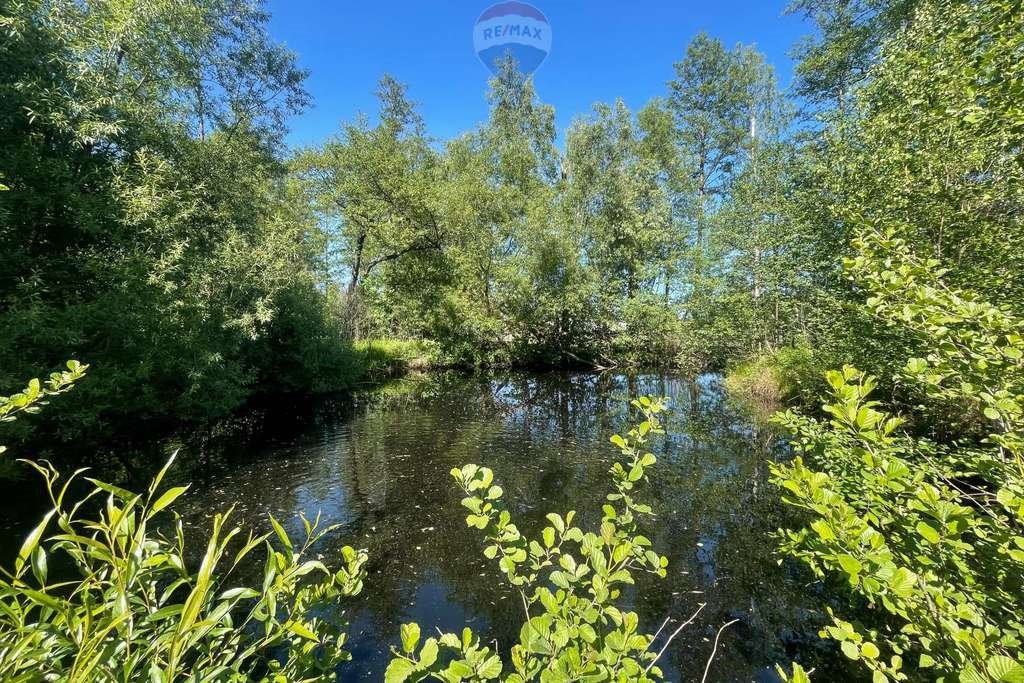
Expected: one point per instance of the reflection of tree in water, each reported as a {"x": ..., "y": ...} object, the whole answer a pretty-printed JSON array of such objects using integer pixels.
[{"x": 382, "y": 471}]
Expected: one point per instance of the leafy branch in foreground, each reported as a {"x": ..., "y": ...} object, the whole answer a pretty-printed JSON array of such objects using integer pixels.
[
  {"x": 568, "y": 580},
  {"x": 929, "y": 537},
  {"x": 34, "y": 396},
  {"x": 136, "y": 610}
]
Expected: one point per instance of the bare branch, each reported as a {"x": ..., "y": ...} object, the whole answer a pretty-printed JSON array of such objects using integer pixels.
[
  {"x": 674, "y": 634},
  {"x": 714, "y": 650}
]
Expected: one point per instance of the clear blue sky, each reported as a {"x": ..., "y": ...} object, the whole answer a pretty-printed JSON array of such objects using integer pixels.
[{"x": 600, "y": 50}]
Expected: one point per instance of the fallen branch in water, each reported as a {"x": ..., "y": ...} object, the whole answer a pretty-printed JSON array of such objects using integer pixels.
[
  {"x": 714, "y": 650},
  {"x": 674, "y": 634}
]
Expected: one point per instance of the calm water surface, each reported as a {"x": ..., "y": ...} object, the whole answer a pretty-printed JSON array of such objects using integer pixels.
[{"x": 379, "y": 467}]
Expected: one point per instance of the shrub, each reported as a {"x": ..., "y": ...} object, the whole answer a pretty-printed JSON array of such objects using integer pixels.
[
  {"x": 569, "y": 582},
  {"x": 928, "y": 537},
  {"x": 381, "y": 358},
  {"x": 786, "y": 373},
  {"x": 135, "y": 610}
]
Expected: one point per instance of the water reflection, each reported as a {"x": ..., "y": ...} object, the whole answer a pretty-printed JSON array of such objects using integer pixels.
[{"x": 380, "y": 469}]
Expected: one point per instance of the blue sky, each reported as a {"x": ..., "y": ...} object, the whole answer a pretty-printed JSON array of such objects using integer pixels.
[{"x": 600, "y": 50}]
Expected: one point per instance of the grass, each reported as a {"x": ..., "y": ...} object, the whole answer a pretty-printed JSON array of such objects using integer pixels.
[
  {"x": 775, "y": 377},
  {"x": 379, "y": 359}
]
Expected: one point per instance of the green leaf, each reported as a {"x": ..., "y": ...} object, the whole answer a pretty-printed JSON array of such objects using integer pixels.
[
  {"x": 31, "y": 541},
  {"x": 300, "y": 629},
  {"x": 169, "y": 496},
  {"x": 239, "y": 594},
  {"x": 282, "y": 535},
  {"x": 490, "y": 668},
  {"x": 1004, "y": 669},
  {"x": 850, "y": 649},
  {"x": 850, "y": 564},
  {"x": 797, "y": 676},
  {"x": 971, "y": 675},
  {"x": 902, "y": 582},
  {"x": 928, "y": 532},
  {"x": 428, "y": 655},
  {"x": 556, "y": 520},
  {"x": 116, "y": 491},
  {"x": 534, "y": 635},
  {"x": 39, "y": 566},
  {"x": 410, "y": 636},
  {"x": 478, "y": 521},
  {"x": 459, "y": 670},
  {"x": 398, "y": 670},
  {"x": 916, "y": 366},
  {"x": 560, "y": 579}
]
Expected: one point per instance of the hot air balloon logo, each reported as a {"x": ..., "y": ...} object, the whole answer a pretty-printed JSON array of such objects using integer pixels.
[{"x": 513, "y": 29}]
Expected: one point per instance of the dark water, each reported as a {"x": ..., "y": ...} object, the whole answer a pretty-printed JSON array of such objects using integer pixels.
[
  {"x": 378, "y": 466},
  {"x": 380, "y": 469}
]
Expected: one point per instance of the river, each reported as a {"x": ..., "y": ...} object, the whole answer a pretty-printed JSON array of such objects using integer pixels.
[{"x": 378, "y": 465}]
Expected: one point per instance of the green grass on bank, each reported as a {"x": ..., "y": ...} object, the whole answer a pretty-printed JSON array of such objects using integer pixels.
[
  {"x": 785, "y": 374},
  {"x": 377, "y": 359}
]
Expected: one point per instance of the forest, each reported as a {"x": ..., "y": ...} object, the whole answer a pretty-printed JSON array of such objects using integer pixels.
[{"x": 848, "y": 252}]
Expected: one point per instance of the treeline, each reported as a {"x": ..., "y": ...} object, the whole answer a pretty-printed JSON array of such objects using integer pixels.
[
  {"x": 709, "y": 227},
  {"x": 154, "y": 225},
  {"x": 647, "y": 230},
  {"x": 148, "y": 223}
]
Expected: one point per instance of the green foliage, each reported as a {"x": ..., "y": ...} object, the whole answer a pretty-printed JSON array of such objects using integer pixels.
[
  {"x": 931, "y": 534},
  {"x": 937, "y": 156},
  {"x": 744, "y": 268},
  {"x": 34, "y": 396},
  {"x": 797, "y": 675},
  {"x": 381, "y": 358},
  {"x": 849, "y": 37},
  {"x": 928, "y": 146},
  {"x": 655, "y": 236},
  {"x": 152, "y": 228},
  {"x": 569, "y": 581},
  {"x": 147, "y": 226},
  {"x": 136, "y": 608},
  {"x": 784, "y": 374},
  {"x": 917, "y": 515}
]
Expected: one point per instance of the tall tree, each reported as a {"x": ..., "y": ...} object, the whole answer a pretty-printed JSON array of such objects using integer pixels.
[
  {"x": 846, "y": 45},
  {"x": 725, "y": 107},
  {"x": 140, "y": 232}
]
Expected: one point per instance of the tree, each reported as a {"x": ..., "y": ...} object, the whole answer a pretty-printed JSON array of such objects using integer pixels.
[
  {"x": 726, "y": 111},
  {"x": 850, "y": 34},
  {"x": 141, "y": 227},
  {"x": 374, "y": 191},
  {"x": 617, "y": 204}
]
